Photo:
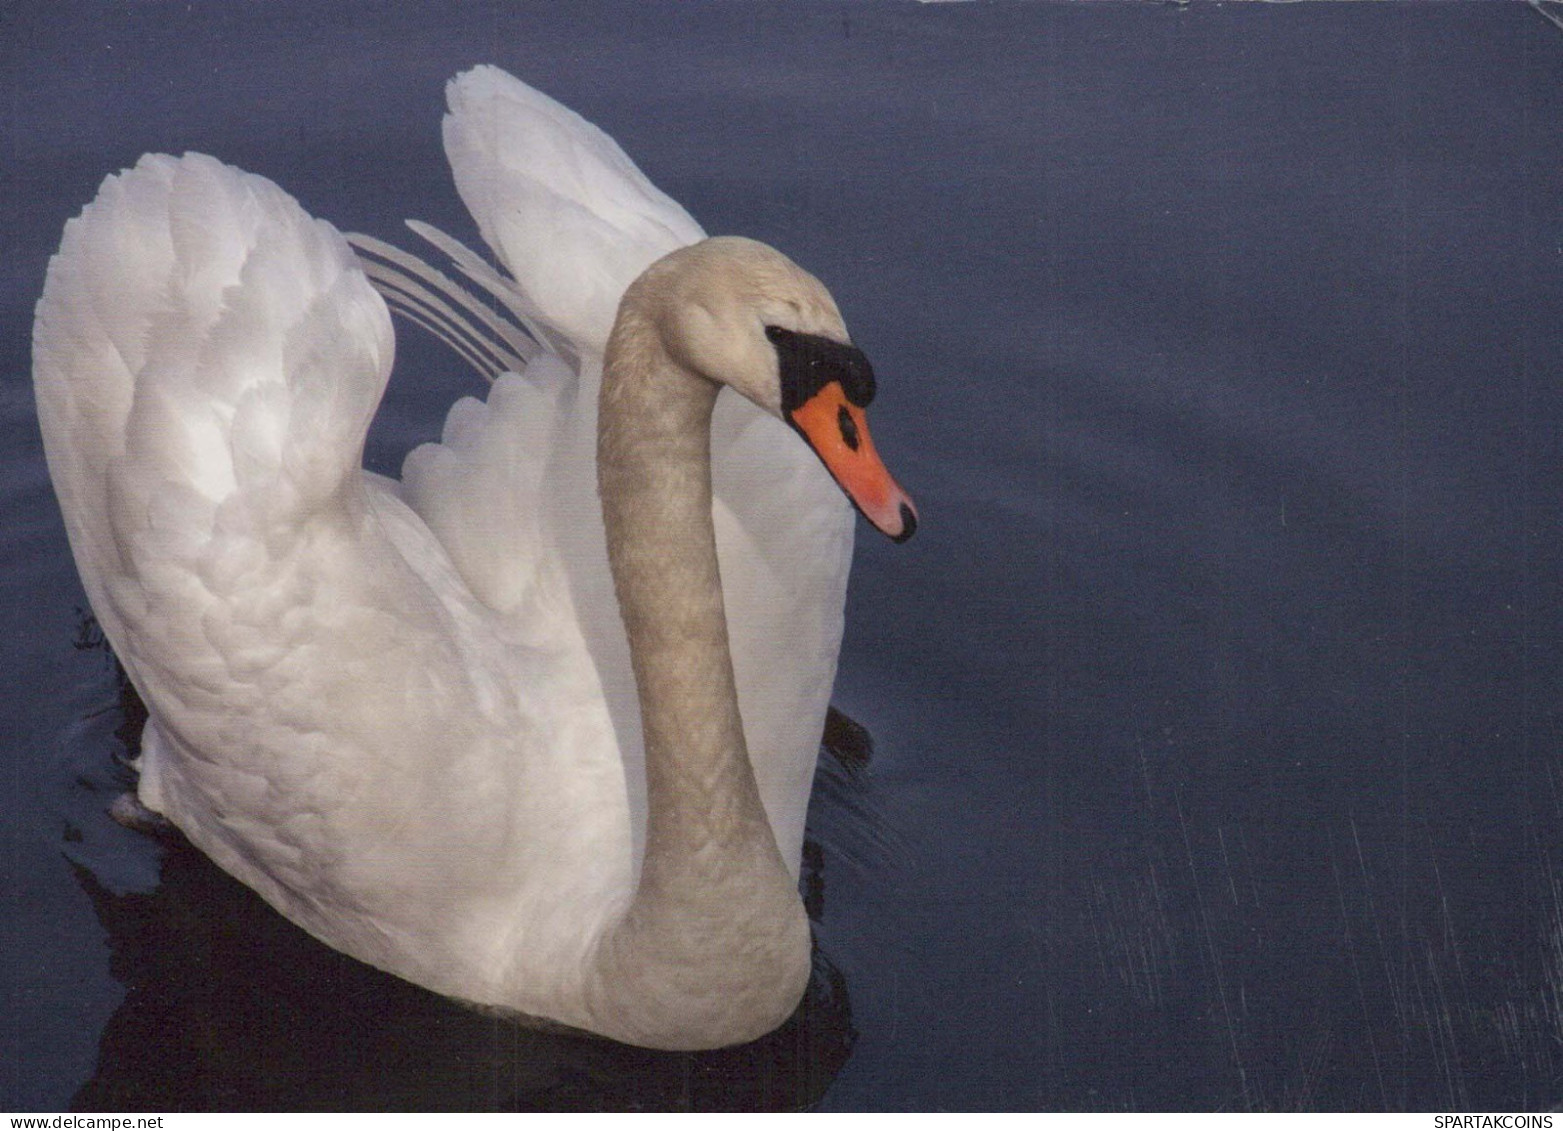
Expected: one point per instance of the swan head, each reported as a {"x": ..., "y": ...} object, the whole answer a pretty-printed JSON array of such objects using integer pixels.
[{"x": 742, "y": 314}]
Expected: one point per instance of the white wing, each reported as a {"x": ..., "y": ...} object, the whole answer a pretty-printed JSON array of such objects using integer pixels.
[
  {"x": 207, "y": 360},
  {"x": 336, "y": 720},
  {"x": 569, "y": 215},
  {"x": 574, "y": 221}
]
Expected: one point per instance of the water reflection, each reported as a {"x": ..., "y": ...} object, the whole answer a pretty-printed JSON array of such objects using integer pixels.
[{"x": 231, "y": 1007}]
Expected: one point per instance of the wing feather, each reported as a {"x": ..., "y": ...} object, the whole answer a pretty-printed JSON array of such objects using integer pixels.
[{"x": 569, "y": 214}]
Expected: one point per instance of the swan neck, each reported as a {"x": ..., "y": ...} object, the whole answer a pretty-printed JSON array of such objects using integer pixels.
[
  {"x": 654, "y": 470},
  {"x": 715, "y": 902}
]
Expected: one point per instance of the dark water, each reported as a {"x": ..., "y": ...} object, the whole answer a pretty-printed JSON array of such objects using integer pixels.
[{"x": 1218, "y": 755}]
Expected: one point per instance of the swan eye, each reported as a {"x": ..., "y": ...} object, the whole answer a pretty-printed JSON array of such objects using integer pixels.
[{"x": 809, "y": 362}]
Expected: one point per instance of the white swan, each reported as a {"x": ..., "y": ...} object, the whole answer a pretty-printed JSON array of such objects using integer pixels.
[{"x": 407, "y": 713}]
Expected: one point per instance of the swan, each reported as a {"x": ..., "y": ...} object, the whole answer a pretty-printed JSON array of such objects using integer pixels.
[{"x": 533, "y": 726}]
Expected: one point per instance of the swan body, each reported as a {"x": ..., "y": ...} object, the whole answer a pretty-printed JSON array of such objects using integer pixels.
[{"x": 534, "y": 726}]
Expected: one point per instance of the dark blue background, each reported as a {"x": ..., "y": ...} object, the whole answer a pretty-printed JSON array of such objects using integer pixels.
[{"x": 1216, "y": 700}]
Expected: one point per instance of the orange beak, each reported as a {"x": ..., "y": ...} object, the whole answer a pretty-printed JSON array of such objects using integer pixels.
[{"x": 838, "y": 432}]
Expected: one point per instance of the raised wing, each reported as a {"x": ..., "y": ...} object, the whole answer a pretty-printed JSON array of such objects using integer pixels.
[
  {"x": 570, "y": 216},
  {"x": 206, "y": 360}
]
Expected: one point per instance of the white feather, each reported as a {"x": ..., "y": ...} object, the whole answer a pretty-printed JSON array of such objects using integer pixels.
[{"x": 570, "y": 216}]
